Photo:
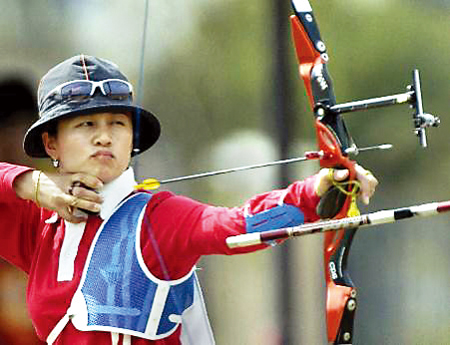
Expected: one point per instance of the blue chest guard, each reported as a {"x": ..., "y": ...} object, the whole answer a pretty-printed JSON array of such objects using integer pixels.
[{"x": 117, "y": 292}]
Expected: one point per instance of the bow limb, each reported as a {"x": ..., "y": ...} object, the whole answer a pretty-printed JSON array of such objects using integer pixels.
[{"x": 333, "y": 139}]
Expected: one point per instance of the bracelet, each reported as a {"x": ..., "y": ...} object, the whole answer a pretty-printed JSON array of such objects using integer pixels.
[{"x": 36, "y": 189}]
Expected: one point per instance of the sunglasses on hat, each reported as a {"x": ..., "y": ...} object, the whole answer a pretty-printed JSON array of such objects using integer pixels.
[{"x": 78, "y": 90}]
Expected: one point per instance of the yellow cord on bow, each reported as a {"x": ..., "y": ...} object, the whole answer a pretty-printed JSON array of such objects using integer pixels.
[{"x": 353, "y": 210}]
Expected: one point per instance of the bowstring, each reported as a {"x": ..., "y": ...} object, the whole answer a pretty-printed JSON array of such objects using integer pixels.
[
  {"x": 139, "y": 101},
  {"x": 140, "y": 92}
]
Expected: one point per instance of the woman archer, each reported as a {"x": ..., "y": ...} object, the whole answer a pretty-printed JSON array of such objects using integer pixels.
[{"x": 106, "y": 263}]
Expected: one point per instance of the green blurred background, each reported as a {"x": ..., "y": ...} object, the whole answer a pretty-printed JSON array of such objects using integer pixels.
[{"x": 209, "y": 75}]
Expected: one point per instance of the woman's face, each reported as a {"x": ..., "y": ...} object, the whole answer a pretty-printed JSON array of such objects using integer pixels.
[{"x": 98, "y": 144}]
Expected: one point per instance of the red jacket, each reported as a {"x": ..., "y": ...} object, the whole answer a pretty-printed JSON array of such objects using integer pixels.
[{"x": 184, "y": 229}]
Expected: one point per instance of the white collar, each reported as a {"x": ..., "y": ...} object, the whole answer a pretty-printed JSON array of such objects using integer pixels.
[{"x": 115, "y": 191}]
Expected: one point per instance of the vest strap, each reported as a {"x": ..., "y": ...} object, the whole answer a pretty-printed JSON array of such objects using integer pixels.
[{"x": 59, "y": 327}]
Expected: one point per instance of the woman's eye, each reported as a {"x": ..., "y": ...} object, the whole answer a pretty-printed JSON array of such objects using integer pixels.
[{"x": 85, "y": 124}]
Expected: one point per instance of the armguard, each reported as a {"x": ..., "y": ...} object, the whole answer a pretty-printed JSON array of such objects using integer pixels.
[{"x": 277, "y": 217}]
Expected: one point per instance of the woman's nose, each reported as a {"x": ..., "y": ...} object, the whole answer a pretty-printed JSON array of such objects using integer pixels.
[{"x": 103, "y": 137}]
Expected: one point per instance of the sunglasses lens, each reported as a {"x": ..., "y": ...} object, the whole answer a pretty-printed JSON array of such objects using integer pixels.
[
  {"x": 83, "y": 89},
  {"x": 76, "y": 90},
  {"x": 117, "y": 89}
]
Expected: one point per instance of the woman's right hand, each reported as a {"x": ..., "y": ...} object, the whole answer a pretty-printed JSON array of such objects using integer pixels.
[{"x": 66, "y": 194}]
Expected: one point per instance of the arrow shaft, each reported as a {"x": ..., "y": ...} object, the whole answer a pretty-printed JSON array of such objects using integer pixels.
[
  {"x": 308, "y": 156},
  {"x": 367, "y": 220}
]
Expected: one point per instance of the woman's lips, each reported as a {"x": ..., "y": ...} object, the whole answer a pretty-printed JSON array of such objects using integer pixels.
[{"x": 103, "y": 154}]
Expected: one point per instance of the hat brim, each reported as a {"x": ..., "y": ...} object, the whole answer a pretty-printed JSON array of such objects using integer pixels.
[{"x": 146, "y": 127}]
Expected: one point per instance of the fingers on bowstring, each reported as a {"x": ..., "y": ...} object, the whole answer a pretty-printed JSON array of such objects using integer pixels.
[
  {"x": 80, "y": 191},
  {"x": 91, "y": 206},
  {"x": 75, "y": 209},
  {"x": 72, "y": 214},
  {"x": 87, "y": 181}
]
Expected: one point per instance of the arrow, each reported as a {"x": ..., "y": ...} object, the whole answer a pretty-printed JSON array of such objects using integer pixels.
[
  {"x": 153, "y": 183},
  {"x": 367, "y": 220}
]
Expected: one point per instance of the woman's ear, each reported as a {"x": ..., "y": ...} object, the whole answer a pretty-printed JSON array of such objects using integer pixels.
[{"x": 49, "y": 142}]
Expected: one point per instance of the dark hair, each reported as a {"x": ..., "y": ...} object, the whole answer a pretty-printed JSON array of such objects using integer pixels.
[{"x": 51, "y": 128}]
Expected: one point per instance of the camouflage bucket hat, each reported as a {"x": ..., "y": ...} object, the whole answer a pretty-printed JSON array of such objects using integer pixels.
[{"x": 84, "y": 85}]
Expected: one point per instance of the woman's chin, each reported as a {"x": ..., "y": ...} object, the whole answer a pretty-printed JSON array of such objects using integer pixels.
[{"x": 106, "y": 175}]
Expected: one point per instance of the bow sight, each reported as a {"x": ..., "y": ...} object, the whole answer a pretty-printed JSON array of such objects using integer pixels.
[{"x": 413, "y": 97}]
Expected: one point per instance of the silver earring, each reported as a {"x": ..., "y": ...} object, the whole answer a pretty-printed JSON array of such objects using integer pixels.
[{"x": 55, "y": 163}]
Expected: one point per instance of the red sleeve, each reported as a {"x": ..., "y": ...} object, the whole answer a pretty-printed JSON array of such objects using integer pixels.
[
  {"x": 300, "y": 194},
  {"x": 19, "y": 220},
  {"x": 185, "y": 229}
]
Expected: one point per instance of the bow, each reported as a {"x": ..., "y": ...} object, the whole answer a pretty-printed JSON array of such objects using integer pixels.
[
  {"x": 333, "y": 141},
  {"x": 333, "y": 137}
]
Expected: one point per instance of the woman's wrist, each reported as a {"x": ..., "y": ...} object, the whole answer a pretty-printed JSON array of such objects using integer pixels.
[{"x": 26, "y": 183}]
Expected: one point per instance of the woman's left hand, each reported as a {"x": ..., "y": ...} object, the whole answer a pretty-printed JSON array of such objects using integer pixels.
[{"x": 368, "y": 182}]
